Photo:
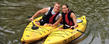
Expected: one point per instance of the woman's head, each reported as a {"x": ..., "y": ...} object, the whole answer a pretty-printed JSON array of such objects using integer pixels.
[{"x": 65, "y": 8}]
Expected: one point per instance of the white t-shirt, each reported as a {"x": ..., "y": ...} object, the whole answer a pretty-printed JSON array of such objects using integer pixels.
[{"x": 53, "y": 14}]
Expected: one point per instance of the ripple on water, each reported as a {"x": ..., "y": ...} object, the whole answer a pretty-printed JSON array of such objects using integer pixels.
[
  {"x": 106, "y": 41},
  {"x": 7, "y": 3},
  {"x": 6, "y": 31},
  {"x": 14, "y": 14}
]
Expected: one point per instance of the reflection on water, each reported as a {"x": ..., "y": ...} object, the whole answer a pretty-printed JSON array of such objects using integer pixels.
[{"x": 14, "y": 13}]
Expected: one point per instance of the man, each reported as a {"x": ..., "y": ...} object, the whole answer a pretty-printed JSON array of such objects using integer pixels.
[
  {"x": 68, "y": 18},
  {"x": 52, "y": 15}
]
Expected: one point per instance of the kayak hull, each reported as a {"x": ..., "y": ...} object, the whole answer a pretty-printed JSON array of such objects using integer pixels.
[
  {"x": 31, "y": 35},
  {"x": 66, "y": 35}
]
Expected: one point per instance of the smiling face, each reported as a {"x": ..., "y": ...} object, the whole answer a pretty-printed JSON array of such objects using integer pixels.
[
  {"x": 56, "y": 7},
  {"x": 64, "y": 9}
]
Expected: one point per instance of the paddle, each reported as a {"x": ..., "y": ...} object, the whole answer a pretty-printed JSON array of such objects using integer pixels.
[{"x": 34, "y": 26}]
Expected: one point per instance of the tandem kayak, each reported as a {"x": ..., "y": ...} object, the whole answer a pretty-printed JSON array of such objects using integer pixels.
[
  {"x": 67, "y": 35},
  {"x": 32, "y": 34}
]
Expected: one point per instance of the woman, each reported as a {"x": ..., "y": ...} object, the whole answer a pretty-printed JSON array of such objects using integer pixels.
[{"x": 68, "y": 18}]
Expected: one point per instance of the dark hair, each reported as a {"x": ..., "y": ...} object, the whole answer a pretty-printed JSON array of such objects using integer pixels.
[{"x": 66, "y": 5}]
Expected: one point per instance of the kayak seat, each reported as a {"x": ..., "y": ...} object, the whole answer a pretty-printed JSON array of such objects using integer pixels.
[{"x": 79, "y": 21}]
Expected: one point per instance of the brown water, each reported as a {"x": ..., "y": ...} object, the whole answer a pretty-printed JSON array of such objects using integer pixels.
[{"x": 14, "y": 18}]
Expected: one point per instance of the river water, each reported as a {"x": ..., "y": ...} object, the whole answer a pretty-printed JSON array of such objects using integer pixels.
[{"x": 14, "y": 18}]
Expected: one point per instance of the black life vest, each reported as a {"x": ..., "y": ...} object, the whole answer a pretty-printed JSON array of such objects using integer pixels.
[
  {"x": 67, "y": 19},
  {"x": 49, "y": 18}
]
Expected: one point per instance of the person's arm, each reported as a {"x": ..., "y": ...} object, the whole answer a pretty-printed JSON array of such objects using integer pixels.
[
  {"x": 74, "y": 19},
  {"x": 58, "y": 21},
  {"x": 39, "y": 12}
]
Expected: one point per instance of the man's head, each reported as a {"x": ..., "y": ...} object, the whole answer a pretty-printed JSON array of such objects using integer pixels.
[
  {"x": 56, "y": 7},
  {"x": 65, "y": 8}
]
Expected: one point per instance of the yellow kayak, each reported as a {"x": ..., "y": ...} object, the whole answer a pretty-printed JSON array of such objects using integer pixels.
[
  {"x": 67, "y": 35},
  {"x": 30, "y": 34}
]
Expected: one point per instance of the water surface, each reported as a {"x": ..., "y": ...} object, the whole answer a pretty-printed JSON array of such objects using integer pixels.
[{"x": 14, "y": 18}]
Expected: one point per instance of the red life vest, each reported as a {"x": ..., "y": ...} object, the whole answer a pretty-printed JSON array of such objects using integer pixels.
[
  {"x": 52, "y": 18},
  {"x": 49, "y": 18},
  {"x": 67, "y": 19}
]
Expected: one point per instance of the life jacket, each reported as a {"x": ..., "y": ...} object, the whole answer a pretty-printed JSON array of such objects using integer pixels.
[
  {"x": 49, "y": 18},
  {"x": 67, "y": 19}
]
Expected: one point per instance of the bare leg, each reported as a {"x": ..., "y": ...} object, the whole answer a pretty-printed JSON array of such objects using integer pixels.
[
  {"x": 47, "y": 24},
  {"x": 37, "y": 23},
  {"x": 60, "y": 28}
]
